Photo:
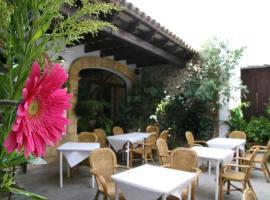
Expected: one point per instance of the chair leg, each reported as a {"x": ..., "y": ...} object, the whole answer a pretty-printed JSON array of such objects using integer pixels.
[
  {"x": 249, "y": 184},
  {"x": 145, "y": 158},
  {"x": 96, "y": 196},
  {"x": 228, "y": 187},
  {"x": 266, "y": 171},
  {"x": 220, "y": 192},
  {"x": 151, "y": 157},
  {"x": 130, "y": 158}
]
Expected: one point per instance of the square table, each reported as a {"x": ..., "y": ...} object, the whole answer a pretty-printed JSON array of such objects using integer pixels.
[
  {"x": 228, "y": 143},
  {"x": 118, "y": 141},
  {"x": 75, "y": 152},
  {"x": 219, "y": 156},
  {"x": 149, "y": 182}
]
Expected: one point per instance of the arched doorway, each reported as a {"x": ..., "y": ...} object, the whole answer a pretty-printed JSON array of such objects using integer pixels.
[
  {"x": 107, "y": 64},
  {"x": 101, "y": 95}
]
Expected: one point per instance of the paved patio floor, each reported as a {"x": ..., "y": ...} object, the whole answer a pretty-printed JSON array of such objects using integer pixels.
[{"x": 45, "y": 181}]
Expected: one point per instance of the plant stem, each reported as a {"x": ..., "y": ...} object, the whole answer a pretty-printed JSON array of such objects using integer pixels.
[{"x": 7, "y": 102}]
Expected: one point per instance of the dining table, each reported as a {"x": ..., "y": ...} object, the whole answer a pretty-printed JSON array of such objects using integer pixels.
[
  {"x": 117, "y": 142},
  {"x": 228, "y": 143},
  {"x": 218, "y": 156},
  {"x": 149, "y": 182},
  {"x": 75, "y": 152}
]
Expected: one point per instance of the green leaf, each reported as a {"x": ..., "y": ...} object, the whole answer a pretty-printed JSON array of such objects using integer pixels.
[
  {"x": 40, "y": 32},
  {"x": 26, "y": 193}
]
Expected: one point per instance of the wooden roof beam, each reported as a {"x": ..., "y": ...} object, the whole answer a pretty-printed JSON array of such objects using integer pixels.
[{"x": 145, "y": 46}]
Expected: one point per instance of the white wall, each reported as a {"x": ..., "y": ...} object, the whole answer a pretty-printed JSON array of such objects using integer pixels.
[{"x": 224, "y": 112}]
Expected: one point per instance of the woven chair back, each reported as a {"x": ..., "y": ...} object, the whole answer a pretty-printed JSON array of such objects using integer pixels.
[
  {"x": 190, "y": 138},
  {"x": 87, "y": 137},
  {"x": 163, "y": 151},
  {"x": 101, "y": 136},
  {"x": 184, "y": 159},
  {"x": 117, "y": 130},
  {"x": 103, "y": 161},
  {"x": 149, "y": 142},
  {"x": 238, "y": 135},
  {"x": 249, "y": 194},
  {"x": 152, "y": 128},
  {"x": 164, "y": 135}
]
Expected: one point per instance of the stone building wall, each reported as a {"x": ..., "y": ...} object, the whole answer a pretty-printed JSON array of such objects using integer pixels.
[{"x": 172, "y": 77}]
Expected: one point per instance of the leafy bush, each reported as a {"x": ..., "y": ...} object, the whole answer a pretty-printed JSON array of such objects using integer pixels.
[
  {"x": 142, "y": 100},
  {"x": 258, "y": 130},
  {"x": 236, "y": 120},
  {"x": 180, "y": 115}
]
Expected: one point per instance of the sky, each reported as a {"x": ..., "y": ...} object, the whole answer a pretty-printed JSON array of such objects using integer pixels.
[{"x": 241, "y": 22}]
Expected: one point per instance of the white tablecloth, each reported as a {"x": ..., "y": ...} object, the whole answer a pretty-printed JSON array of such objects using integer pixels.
[
  {"x": 226, "y": 143},
  {"x": 207, "y": 153},
  {"x": 76, "y": 152},
  {"x": 117, "y": 141},
  {"x": 149, "y": 182},
  {"x": 219, "y": 156}
]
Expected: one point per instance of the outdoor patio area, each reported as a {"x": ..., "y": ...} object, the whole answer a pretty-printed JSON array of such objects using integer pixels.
[
  {"x": 134, "y": 100},
  {"x": 44, "y": 180}
]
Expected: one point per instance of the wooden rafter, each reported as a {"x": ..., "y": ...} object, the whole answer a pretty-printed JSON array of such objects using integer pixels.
[{"x": 145, "y": 46}]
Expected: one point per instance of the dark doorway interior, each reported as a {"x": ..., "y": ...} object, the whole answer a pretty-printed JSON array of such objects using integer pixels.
[
  {"x": 257, "y": 81},
  {"x": 101, "y": 94}
]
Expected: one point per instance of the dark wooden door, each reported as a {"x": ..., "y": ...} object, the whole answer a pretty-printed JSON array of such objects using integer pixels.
[{"x": 257, "y": 81}]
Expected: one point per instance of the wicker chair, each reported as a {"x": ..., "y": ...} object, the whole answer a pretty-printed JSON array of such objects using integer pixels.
[
  {"x": 87, "y": 137},
  {"x": 262, "y": 159},
  {"x": 164, "y": 135},
  {"x": 152, "y": 128},
  {"x": 117, "y": 130},
  {"x": 249, "y": 194},
  {"x": 238, "y": 135},
  {"x": 191, "y": 142},
  {"x": 185, "y": 159},
  {"x": 228, "y": 174},
  {"x": 146, "y": 152},
  {"x": 103, "y": 165},
  {"x": 101, "y": 135},
  {"x": 163, "y": 152}
]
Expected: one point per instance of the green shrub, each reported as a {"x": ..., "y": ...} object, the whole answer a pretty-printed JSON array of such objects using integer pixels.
[
  {"x": 258, "y": 130},
  {"x": 142, "y": 100},
  {"x": 236, "y": 120},
  {"x": 181, "y": 115}
]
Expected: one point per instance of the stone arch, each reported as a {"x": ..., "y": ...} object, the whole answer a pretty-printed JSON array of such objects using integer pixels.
[{"x": 91, "y": 62}]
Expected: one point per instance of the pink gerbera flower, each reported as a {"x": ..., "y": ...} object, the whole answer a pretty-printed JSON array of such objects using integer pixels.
[{"x": 40, "y": 117}]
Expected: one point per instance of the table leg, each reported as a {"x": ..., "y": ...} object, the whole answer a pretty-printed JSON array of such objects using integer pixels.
[
  {"x": 68, "y": 171},
  {"x": 116, "y": 192},
  {"x": 61, "y": 169},
  {"x": 93, "y": 181},
  {"x": 217, "y": 179},
  {"x": 189, "y": 192},
  {"x": 128, "y": 149},
  {"x": 143, "y": 150},
  {"x": 209, "y": 167}
]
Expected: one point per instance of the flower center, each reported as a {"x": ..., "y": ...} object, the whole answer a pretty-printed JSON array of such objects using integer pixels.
[{"x": 33, "y": 108}]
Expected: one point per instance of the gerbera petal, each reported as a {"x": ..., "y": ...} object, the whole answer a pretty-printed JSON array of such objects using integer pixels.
[
  {"x": 21, "y": 111},
  {"x": 9, "y": 143},
  {"x": 40, "y": 117},
  {"x": 40, "y": 145}
]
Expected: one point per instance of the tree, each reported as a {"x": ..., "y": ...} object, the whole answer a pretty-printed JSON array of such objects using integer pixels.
[{"x": 209, "y": 80}]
